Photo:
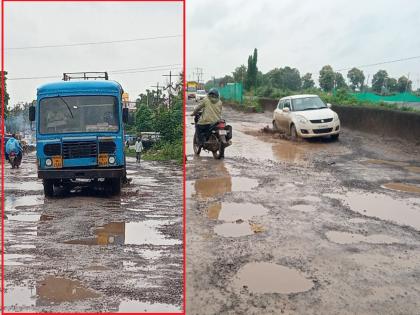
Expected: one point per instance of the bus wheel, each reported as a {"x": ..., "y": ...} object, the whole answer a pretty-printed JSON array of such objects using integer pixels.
[
  {"x": 48, "y": 187},
  {"x": 115, "y": 184}
]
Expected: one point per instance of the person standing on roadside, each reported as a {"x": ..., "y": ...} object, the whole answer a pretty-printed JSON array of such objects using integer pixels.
[{"x": 139, "y": 147}]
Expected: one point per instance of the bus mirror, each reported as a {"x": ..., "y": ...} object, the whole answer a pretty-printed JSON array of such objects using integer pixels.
[
  {"x": 32, "y": 113},
  {"x": 125, "y": 115}
]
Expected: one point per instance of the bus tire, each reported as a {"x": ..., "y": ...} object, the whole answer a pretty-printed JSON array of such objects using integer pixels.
[{"x": 48, "y": 187}]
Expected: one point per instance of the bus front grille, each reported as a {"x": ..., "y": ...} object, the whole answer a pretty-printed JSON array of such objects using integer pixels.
[{"x": 79, "y": 149}]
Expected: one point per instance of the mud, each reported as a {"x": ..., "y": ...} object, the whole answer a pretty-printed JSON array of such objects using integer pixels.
[
  {"x": 370, "y": 264},
  {"x": 87, "y": 252},
  {"x": 264, "y": 277},
  {"x": 402, "y": 187}
]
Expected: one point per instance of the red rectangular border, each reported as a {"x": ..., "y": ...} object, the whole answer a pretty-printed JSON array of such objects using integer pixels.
[{"x": 184, "y": 149}]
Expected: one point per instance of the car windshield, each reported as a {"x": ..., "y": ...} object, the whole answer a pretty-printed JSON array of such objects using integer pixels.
[
  {"x": 307, "y": 103},
  {"x": 71, "y": 114}
]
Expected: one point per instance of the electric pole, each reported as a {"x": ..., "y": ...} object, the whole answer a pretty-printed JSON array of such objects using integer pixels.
[
  {"x": 157, "y": 91},
  {"x": 169, "y": 87}
]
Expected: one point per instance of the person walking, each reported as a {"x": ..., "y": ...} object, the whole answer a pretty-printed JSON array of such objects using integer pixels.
[{"x": 139, "y": 147}]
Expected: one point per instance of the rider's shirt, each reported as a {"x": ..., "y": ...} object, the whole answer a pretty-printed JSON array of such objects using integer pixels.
[
  {"x": 212, "y": 111},
  {"x": 13, "y": 145}
]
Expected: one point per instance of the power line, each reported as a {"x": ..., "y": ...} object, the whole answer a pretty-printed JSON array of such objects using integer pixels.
[
  {"x": 381, "y": 63},
  {"x": 93, "y": 43},
  {"x": 121, "y": 71}
]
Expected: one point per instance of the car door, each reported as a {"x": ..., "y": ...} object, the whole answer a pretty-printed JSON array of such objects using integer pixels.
[
  {"x": 286, "y": 116},
  {"x": 278, "y": 113}
]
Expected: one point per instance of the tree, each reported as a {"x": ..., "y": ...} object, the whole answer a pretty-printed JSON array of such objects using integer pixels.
[
  {"x": 144, "y": 118},
  {"x": 284, "y": 78},
  {"x": 379, "y": 80},
  {"x": 356, "y": 78},
  {"x": 252, "y": 71},
  {"x": 326, "y": 78},
  {"x": 340, "y": 83},
  {"x": 239, "y": 75},
  {"x": 404, "y": 84},
  {"x": 391, "y": 84},
  {"x": 307, "y": 82},
  {"x": 3, "y": 76}
]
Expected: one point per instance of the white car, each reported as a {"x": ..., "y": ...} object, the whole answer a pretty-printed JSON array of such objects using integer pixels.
[
  {"x": 200, "y": 95},
  {"x": 306, "y": 116}
]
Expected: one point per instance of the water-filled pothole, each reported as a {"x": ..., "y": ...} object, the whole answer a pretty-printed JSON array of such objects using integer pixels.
[
  {"x": 231, "y": 211},
  {"x": 402, "y": 187},
  {"x": 265, "y": 277}
]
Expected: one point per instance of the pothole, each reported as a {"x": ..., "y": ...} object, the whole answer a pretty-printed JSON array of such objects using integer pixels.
[
  {"x": 402, "y": 187},
  {"x": 217, "y": 186},
  {"x": 265, "y": 277},
  {"x": 351, "y": 238},
  {"x": 233, "y": 229},
  {"x": 230, "y": 211}
]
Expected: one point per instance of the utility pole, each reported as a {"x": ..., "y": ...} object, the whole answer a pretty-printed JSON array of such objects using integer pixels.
[
  {"x": 199, "y": 73},
  {"x": 169, "y": 87},
  {"x": 157, "y": 91}
]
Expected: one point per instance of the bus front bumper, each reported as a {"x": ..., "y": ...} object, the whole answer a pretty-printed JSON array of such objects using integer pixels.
[{"x": 84, "y": 173}]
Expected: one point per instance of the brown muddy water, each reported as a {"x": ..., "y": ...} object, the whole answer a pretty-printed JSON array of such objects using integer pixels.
[
  {"x": 402, "y": 187},
  {"x": 265, "y": 277},
  {"x": 352, "y": 238},
  {"x": 230, "y": 211},
  {"x": 385, "y": 207}
]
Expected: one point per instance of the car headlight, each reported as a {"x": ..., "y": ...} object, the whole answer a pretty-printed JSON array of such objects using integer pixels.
[
  {"x": 336, "y": 117},
  {"x": 111, "y": 160},
  {"x": 48, "y": 162},
  {"x": 301, "y": 119}
]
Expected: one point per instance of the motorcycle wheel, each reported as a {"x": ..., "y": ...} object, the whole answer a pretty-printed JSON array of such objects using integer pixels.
[
  {"x": 196, "y": 146},
  {"x": 220, "y": 152}
]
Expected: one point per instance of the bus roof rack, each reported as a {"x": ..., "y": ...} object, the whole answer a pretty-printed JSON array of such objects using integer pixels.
[{"x": 67, "y": 76}]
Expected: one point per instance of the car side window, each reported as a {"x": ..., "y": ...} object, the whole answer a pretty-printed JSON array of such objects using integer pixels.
[
  {"x": 287, "y": 104},
  {"x": 280, "y": 104}
]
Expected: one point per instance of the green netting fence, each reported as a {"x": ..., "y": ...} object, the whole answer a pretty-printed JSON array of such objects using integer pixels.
[
  {"x": 231, "y": 91},
  {"x": 397, "y": 98}
]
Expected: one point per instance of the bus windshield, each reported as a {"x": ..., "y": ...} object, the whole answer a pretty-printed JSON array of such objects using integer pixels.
[{"x": 73, "y": 114}]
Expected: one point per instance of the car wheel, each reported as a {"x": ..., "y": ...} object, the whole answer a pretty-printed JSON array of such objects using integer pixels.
[
  {"x": 275, "y": 128},
  {"x": 293, "y": 133}
]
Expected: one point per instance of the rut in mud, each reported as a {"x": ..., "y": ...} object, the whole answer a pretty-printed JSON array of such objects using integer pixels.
[
  {"x": 318, "y": 226},
  {"x": 86, "y": 252}
]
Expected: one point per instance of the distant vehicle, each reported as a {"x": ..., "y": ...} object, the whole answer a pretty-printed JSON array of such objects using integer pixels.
[
  {"x": 149, "y": 138},
  {"x": 200, "y": 95},
  {"x": 306, "y": 116},
  {"x": 80, "y": 132}
]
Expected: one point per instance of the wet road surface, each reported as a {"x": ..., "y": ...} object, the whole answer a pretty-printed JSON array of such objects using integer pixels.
[
  {"x": 313, "y": 227},
  {"x": 86, "y": 252}
]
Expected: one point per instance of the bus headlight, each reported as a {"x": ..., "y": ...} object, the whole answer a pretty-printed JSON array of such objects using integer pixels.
[
  {"x": 111, "y": 160},
  {"x": 48, "y": 162}
]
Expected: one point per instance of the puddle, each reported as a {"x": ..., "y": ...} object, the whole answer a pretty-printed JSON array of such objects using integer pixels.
[
  {"x": 288, "y": 151},
  {"x": 229, "y": 211},
  {"x": 24, "y": 217},
  {"x": 11, "y": 201},
  {"x": 351, "y": 238},
  {"x": 131, "y": 233},
  {"x": 414, "y": 169},
  {"x": 401, "y": 211},
  {"x": 217, "y": 186},
  {"x": 264, "y": 277},
  {"x": 303, "y": 208},
  {"x": 233, "y": 229},
  {"x": 139, "y": 306},
  {"x": 16, "y": 259},
  {"x": 59, "y": 290},
  {"x": 402, "y": 187},
  {"x": 26, "y": 186},
  {"x": 385, "y": 162},
  {"x": 21, "y": 296}
]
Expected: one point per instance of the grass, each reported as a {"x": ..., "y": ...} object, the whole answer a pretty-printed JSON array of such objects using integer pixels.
[{"x": 162, "y": 151}]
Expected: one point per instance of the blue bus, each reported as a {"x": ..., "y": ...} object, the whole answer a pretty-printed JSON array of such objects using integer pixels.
[{"x": 80, "y": 133}]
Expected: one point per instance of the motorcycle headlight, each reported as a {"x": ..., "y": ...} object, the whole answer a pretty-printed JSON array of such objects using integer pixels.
[{"x": 48, "y": 162}]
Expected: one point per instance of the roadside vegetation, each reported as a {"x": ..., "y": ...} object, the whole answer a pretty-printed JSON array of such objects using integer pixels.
[
  {"x": 333, "y": 87},
  {"x": 157, "y": 113}
]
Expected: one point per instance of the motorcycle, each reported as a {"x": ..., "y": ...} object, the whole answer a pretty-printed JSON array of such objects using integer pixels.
[
  {"x": 217, "y": 139},
  {"x": 14, "y": 159}
]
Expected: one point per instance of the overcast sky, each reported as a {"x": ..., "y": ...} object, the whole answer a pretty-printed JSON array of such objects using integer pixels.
[
  {"x": 305, "y": 34},
  {"x": 34, "y": 24}
]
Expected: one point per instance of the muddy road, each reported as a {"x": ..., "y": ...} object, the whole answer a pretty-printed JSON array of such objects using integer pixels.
[
  {"x": 86, "y": 252},
  {"x": 315, "y": 227}
]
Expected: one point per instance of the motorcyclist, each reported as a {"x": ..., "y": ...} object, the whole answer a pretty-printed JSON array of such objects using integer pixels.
[
  {"x": 13, "y": 145},
  {"x": 211, "y": 107}
]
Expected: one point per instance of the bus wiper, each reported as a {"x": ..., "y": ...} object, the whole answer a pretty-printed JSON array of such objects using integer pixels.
[{"x": 68, "y": 106}]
